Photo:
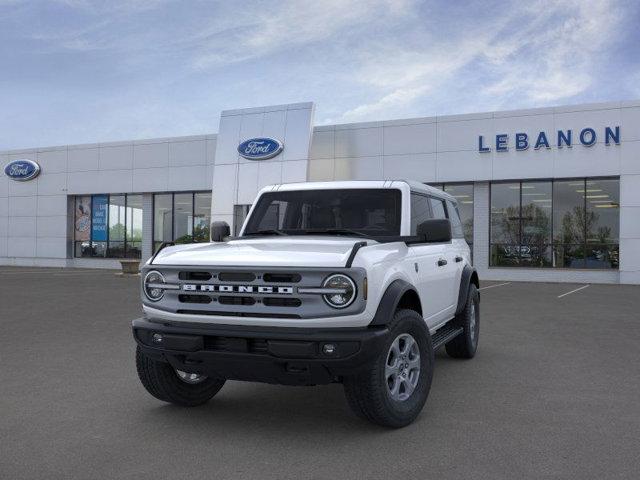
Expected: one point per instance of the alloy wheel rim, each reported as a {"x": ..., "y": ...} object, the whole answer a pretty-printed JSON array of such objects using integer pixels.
[
  {"x": 190, "y": 378},
  {"x": 473, "y": 322},
  {"x": 402, "y": 367}
]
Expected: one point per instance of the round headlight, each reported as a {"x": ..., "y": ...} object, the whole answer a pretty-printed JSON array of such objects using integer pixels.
[
  {"x": 345, "y": 291},
  {"x": 150, "y": 287}
]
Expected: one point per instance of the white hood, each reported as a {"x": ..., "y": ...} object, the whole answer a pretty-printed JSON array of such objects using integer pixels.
[{"x": 272, "y": 251}]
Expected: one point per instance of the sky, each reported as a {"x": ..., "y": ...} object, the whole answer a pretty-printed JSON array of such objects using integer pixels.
[{"x": 80, "y": 71}]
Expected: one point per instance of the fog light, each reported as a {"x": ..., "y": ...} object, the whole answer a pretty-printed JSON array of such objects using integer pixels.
[
  {"x": 157, "y": 338},
  {"x": 328, "y": 348}
]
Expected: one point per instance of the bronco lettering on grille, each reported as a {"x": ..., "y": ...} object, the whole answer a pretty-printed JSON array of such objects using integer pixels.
[{"x": 192, "y": 287}]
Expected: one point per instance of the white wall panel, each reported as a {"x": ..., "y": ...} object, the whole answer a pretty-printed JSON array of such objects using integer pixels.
[
  {"x": 321, "y": 170},
  {"x": 463, "y": 135},
  {"x": 150, "y": 180},
  {"x": 294, "y": 171},
  {"x": 52, "y": 161},
  {"x": 420, "y": 138},
  {"x": 51, "y": 205},
  {"x": 83, "y": 159},
  {"x": 151, "y": 155},
  {"x": 247, "y": 182},
  {"x": 361, "y": 168},
  {"x": 118, "y": 157},
  {"x": 420, "y": 167},
  {"x": 52, "y": 183},
  {"x": 358, "y": 142},
  {"x": 630, "y": 157},
  {"x": 115, "y": 181},
  {"x": 188, "y": 153},
  {"x": 630, "y": 124},
  {"x": 51, "y": 247},
  {"x": 22, "y": 206},
  {"x": 322, "y": 144},
  {"x": 463, "y": 166},
  {"x": 188, "y": 178},
  {"x": 52, "y": 226},
  {"x": 21, "y": 246},
  {"x": 297, "y": 136},
  {"x": 22, "y": 227}
]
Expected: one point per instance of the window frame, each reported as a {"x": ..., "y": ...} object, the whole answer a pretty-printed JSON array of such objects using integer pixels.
[
  {"x": 173, "y": 194},
  {"x": 125, "y": 240},
  {"x": 553, "y": 245}
]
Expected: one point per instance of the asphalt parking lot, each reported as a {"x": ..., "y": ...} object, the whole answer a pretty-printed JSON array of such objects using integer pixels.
[{"x": 554, "y": 392}]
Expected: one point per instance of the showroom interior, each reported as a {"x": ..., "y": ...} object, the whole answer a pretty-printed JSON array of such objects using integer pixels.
[{"x": 548, "y": 194}]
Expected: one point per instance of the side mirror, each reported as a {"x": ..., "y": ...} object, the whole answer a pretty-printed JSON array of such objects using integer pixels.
[
  {"x": 219, "y": 230},
  {"x": 436, "y": 230}
]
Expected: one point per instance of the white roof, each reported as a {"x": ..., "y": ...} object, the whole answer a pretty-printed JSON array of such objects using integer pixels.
[{"x": 412, "y": 184}]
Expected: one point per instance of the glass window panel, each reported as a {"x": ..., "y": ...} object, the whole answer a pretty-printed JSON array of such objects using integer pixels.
[
  {"x": 603, "y": 211},
  {"x": 183, "y": 218},
  {"x": 454, "y": 217},
  {"x": 162, "y": 219},
  {"x": 117, "y": 225},
  {"x": 420, "y": 211},
  {"x": 505, "y": 213},
  {"x": 568, "y": 212},
  {"x": 202, "y": 217},
  {"x": 535, "y": 249},
  {"x": 134, "y": 226},
  {"x": 437, "y": 208},
  {"x": 82, "y": 227},
  {"x": 240, "y": 213},
  {"x": 117, "y": 217},
  {"x": 603, "y": 256},
  {"x": 99, "y": 249},
  {"x": 568, "y": 256},
  {"x": 504, "y": 255},
  {"x": 464, "y": 194}
]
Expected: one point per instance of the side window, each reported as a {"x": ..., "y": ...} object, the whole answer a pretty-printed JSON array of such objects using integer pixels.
[
  {"x": 437, "y": 207},
  {"x": 420, "y": 211},
  {"x": 456, "y": 224}
]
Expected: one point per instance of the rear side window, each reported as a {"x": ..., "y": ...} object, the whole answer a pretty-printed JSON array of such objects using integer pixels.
[
  {"x": 456, "y": 223},
  {"x": 420, "y": 211},
  {"x": 437, "y": 208}
]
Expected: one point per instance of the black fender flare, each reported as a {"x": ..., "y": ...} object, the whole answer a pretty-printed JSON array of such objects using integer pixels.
[
  {"x": 469, "y": 275},
  {"x": 390, "y": 300}
]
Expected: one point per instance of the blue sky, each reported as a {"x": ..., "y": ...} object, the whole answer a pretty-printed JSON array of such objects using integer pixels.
[{"x": 77, "y": 71}]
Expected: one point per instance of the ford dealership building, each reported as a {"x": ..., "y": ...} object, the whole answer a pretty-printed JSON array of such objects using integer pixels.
[{"x": 549, "y": 194}]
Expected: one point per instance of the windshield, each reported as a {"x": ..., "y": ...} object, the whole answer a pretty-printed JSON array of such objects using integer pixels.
[{"x": 360, "y": 212}]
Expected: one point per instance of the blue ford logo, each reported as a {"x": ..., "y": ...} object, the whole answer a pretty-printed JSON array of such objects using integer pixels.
[
  {"x": 260, "y": 148},
  {"x": 22, "y": 170}
]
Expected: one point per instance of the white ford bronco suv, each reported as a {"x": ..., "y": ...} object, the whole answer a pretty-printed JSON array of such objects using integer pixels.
[{"x": 356, "y": 282}]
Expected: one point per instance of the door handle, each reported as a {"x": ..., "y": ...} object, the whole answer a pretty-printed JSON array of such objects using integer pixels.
[
  {"x": 442, "y": 262},
  {"x": 458, "y": 258}
]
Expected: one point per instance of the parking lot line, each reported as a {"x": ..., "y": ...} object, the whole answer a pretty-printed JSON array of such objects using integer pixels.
[
  {"x": 496, "y": 285},
  {"x": 573, "y": 291}
]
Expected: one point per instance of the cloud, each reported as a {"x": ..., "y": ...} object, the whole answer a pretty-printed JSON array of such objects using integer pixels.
[{"x": 541, "y": 53}]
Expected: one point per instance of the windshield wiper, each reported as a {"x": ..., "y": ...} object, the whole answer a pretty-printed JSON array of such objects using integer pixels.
[
  {"x": 264, "y": 232},
  {"x": 338, "y": 231}
]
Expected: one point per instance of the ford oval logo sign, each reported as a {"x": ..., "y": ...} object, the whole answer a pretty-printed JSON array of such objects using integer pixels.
[
  {"x": 260, "y": 148},
  {"x": 22, "y": 170}
]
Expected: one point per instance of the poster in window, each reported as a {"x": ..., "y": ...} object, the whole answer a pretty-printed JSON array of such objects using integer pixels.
[
  {"x": 99, "y": 214},
  {"x": 83, "y": 219}
]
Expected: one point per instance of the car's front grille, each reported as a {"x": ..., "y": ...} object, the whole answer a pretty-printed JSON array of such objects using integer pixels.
[{"x": 245, "y": 292}]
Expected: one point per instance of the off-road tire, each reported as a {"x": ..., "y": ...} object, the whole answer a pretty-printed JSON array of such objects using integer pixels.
[
  {"x": 368, "y": 394},
  {"x": 161, "y": 381},
  {"x": 466, "y": 344}
]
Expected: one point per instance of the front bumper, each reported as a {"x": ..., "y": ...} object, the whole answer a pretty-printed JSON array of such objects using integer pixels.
[{"x": 288, "y": 356}]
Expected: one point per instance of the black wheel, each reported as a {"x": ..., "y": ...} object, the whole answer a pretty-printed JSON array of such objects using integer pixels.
[
  {"x": 392, "y": 390},
  {"x": 466, "y": 344},
  {"x": 174, "y": 386}
]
